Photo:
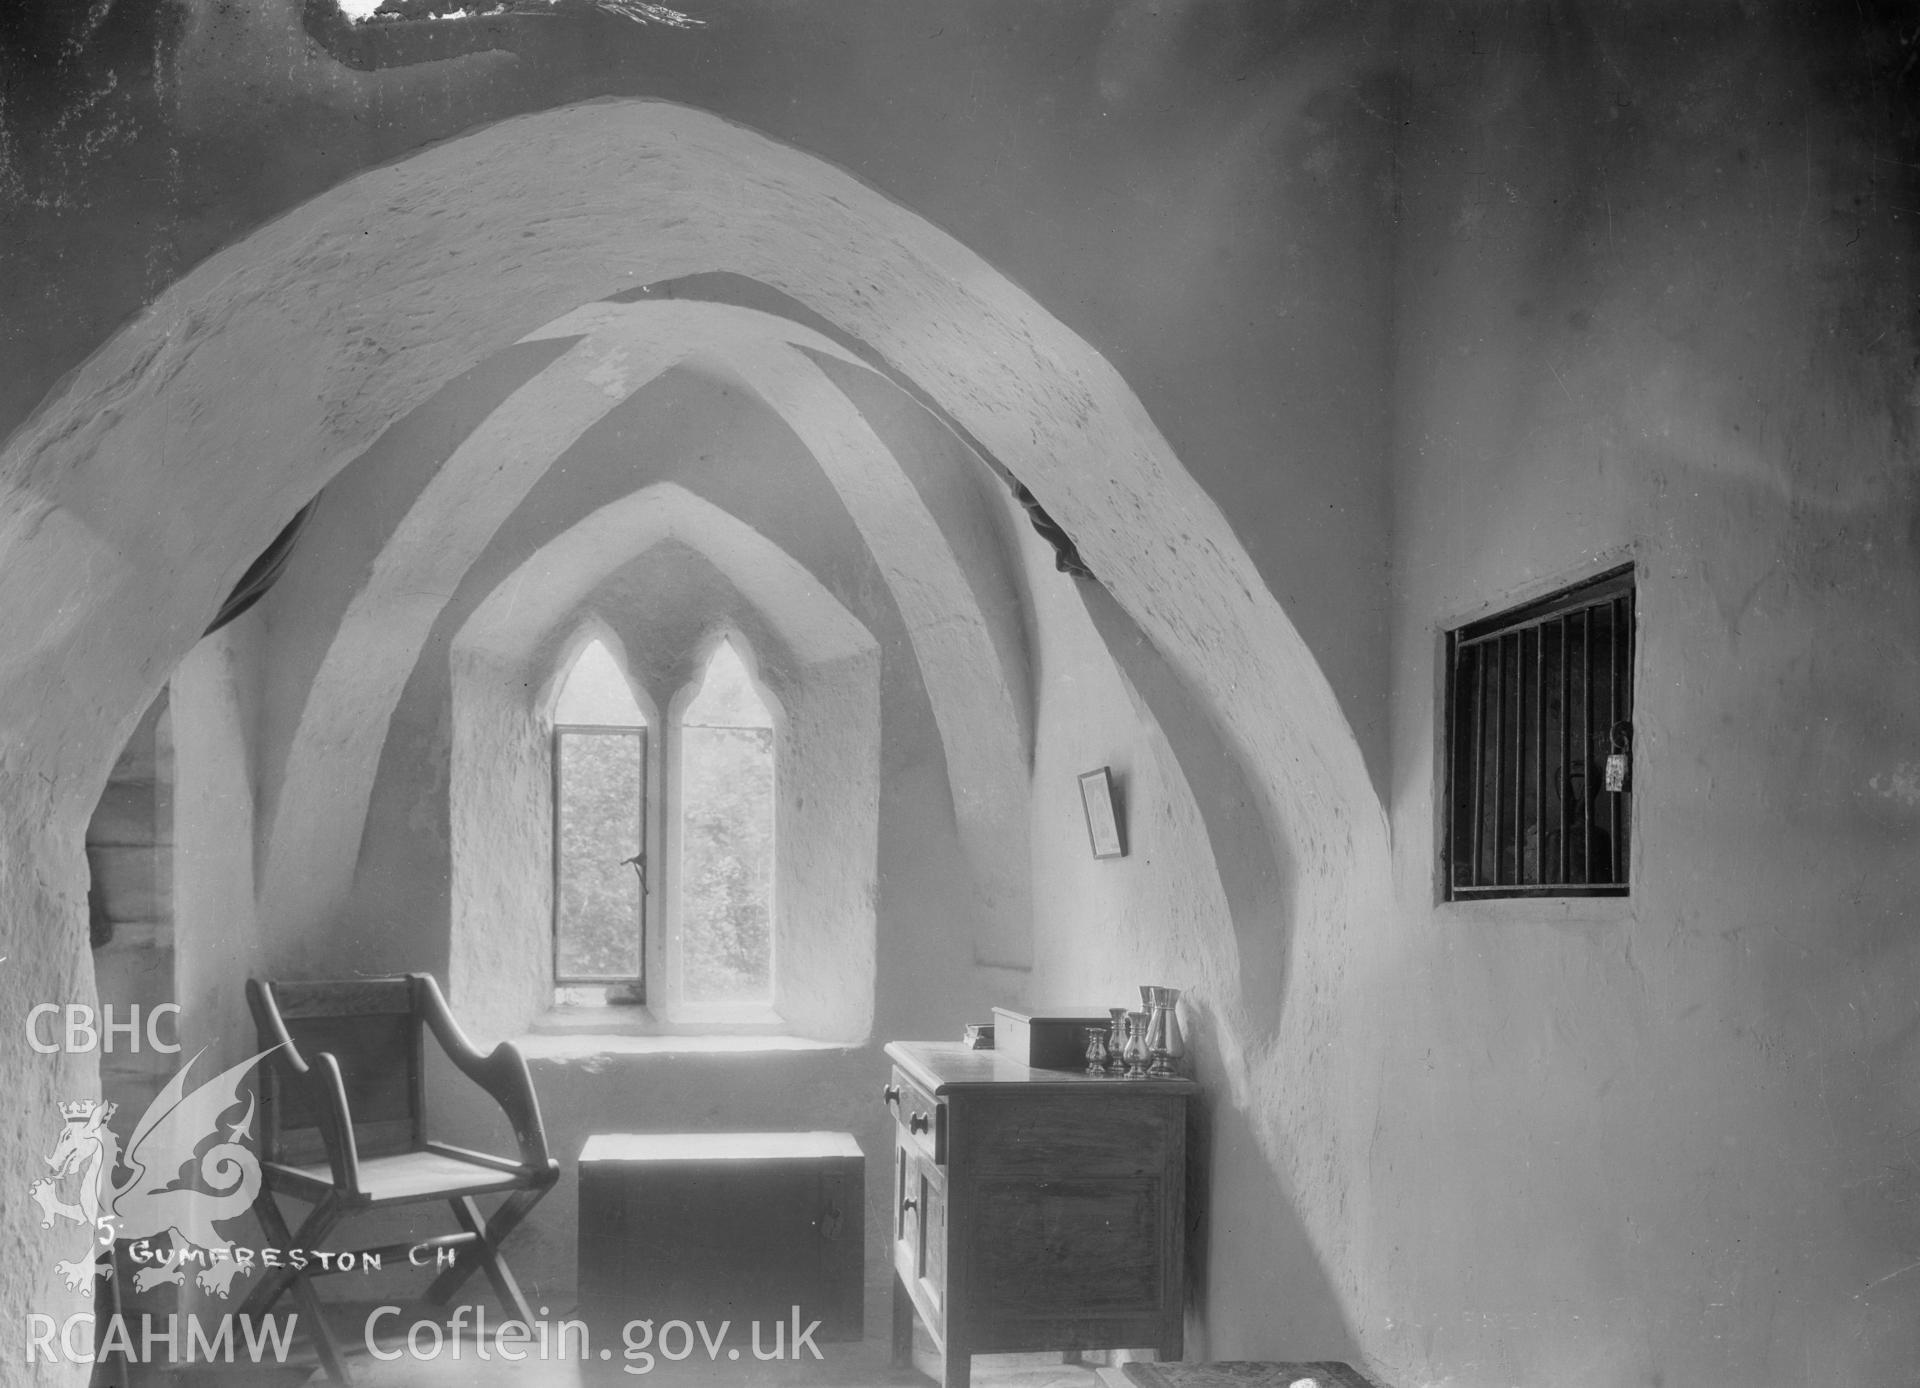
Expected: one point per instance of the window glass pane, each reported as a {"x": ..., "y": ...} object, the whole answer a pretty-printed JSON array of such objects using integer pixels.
[
  {"x": 596, "y": 691},
  {"x": 726, "y": 860},
  {"x": 727, "y": 698},
  {"x": 598, "y": 797}
]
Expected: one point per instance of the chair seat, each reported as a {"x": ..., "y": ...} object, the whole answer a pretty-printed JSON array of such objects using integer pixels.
[{"x": 414, "y": 1176}]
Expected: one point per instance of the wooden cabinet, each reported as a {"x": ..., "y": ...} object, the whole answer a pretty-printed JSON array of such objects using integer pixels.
[{"x": 1034, "y": 1209}]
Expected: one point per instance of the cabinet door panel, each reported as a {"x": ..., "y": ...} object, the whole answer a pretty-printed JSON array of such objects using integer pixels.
[
  {"x": 1067, "y": 1245},
  {"x": 906, "y": 1228},
  {"x": 933, "y": 1235},
  {"x": 920, "y": 1228}
]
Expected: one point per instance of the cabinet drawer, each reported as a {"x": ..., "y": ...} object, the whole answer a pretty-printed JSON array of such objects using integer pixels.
[
  {"x": 1118, "y": 1132},
  {"x": 921, "y": 1119}
]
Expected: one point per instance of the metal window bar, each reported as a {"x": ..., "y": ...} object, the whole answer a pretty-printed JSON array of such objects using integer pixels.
[
  {"x": 1536, "y": 700},
  {"x": 1562, "y": 859},
  {"x": 1580, "y": 762},
  {"x": 1495, "y": 801},
  {"x": 1538, "y": 813}
]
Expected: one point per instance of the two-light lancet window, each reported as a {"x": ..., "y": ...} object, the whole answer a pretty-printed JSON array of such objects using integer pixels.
[{"x": 711, "y": 815}]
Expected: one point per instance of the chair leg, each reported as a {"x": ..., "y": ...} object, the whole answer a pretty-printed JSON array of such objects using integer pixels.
[
  {"x": 275, "y": 1228},
  {"x": 323, "y": 1346},
  {"x": 280, "y": 1281},
  {"x": 488, "y": 1235},
  {"x": 274, "y": 1282}
]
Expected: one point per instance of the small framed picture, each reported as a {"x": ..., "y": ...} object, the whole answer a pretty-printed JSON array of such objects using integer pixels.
[{"x": 1103, "y": 815}]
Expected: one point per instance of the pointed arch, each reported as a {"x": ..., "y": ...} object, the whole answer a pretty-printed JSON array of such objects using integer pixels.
[
  {"x": 319, "y": 779},
  {"x": 591, "y": 684},
  {"x": 827, "y": 740}
]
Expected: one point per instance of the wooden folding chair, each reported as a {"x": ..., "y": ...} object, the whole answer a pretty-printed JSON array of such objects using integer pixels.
[{"x": 343, "y": 1128}]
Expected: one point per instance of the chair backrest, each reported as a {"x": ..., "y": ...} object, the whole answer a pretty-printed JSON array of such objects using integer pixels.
[{"x": 372, "y": 1027}]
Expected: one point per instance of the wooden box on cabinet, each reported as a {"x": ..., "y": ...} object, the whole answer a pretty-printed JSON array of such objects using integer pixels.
[
  {"x": 1034, "y": 1209},
  {"x": 1055, "y": 1040}
]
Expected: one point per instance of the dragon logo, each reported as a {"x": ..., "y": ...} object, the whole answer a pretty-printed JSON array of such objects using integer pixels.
[{"x": 158, "y": 1194}]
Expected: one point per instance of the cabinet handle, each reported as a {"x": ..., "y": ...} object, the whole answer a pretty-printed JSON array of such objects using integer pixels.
[
  {"x": 920, "y": 1123},
  {"x": 908, "y": 1205},
  {"x": 890, "y": 1095}
]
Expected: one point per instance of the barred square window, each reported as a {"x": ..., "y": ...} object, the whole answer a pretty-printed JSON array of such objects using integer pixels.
[{"x": 1538, "y": 757}]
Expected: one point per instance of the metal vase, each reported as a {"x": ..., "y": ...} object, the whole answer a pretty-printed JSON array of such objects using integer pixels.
[
  {"x": 1096, "y": 1051},
  {"x": 1137, "y": 1053},
  {"x": 1163, "y": 1033},
  {"x": 1117, "y": 1039}
]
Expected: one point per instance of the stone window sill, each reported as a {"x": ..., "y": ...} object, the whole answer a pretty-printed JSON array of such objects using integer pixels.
[
  {"x": 582, "y": 1045},
  {"x": 568, "y": 1032},
  {"x": 635, "y": 1019}
]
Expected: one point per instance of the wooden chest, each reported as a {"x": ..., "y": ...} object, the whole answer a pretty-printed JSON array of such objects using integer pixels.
[
  {"x": 738, "y": 1227},
  {"x": 1034, "y": 1209}
]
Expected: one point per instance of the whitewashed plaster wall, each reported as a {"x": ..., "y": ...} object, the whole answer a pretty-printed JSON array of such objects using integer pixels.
[
  {"x": 215, "y": 701},
  {"x": 1665, "y": 1139},
  {"x": 130, "y": 851},
  {"x": 620, "y": 193}
]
